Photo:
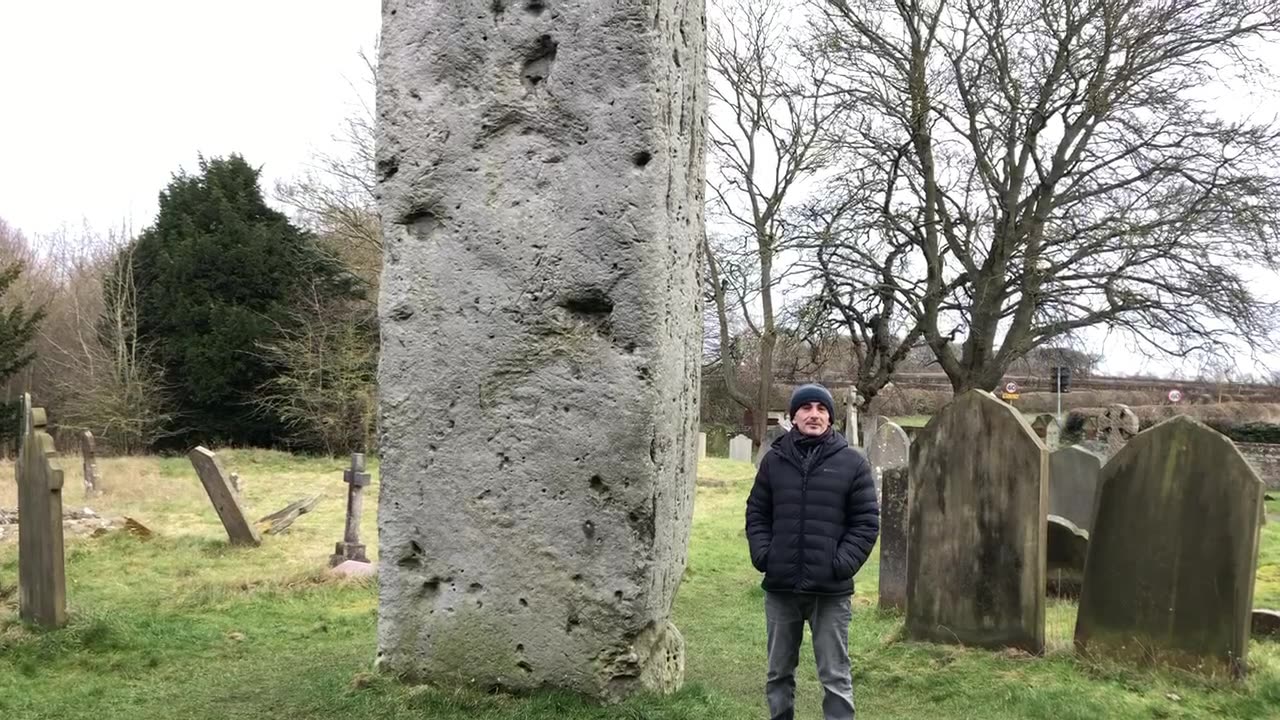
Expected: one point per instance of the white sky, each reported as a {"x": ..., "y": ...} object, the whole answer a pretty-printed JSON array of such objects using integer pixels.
[{"x": 100, "y": 102}]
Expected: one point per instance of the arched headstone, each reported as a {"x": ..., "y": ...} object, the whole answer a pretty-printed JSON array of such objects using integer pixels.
[
  {"x": 740, "y": 448},
  {"x": 1173, "y": 551},
  {"x": 975, "y": 553},
  {"x": 890, "y": 448},
  {"x": 1073, "y": 484}
]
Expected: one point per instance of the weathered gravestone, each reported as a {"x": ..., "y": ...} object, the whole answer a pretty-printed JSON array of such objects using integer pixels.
[
  {"x": 1117, "y": 426},
  {"x": 42, "y": 579},
  {"x": 702, "y": 446},
  {"x": 975, "y": 549},
  {"x": 90, "y": 458},
  {"x": 1266, "y": 625},
  {"x": 357, "y": 480},
  {"x": 541, "y": 182},
  {"x": 1066, "y": 547},
  {"x": 771, "y": 434},
  {"x": 1048, "y": 429},
  {"x": 1173, "y": 551},
  {"x": 890, "y": 448},
  {"x": 895, "y": 494},
  {"x": 740, "y": 448},
  {"x": 1073, "y": 484},
  {"x": 226, "y": 501}
]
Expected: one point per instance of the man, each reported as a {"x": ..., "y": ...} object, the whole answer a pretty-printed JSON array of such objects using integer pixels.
[{"x": 812, "y": 519}]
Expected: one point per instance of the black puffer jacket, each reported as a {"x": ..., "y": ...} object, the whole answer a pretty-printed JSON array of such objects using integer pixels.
[{"x": 812, "y": 516}]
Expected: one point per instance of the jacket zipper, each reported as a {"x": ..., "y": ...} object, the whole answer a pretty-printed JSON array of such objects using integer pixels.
[{"x": 804, "y": 516}]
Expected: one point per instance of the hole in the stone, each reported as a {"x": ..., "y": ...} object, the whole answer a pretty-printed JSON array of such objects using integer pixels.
[
  {"x": 387, "y": 167},
  {"x": 589, "y": 529},
  {"x": 421, "y": 223},
  {"x": 537, "y": 64},
  {"x": 497, "y": 7},
  {"x": 577, "y": 577},
  {"x": 524, "y": 603},
  {"x": 520, "y": 647},
  {"x": 475, "y": 587},
  {"x": 590, "y": 303},
  {"x": 617, "y": 595},
  {"x": 525, "y": 666},
  {"x": 641, "y": 158},
  {"x": 597, "y": 484},
  {"x": 571, "y": 623},
  {"x": 535, "y": 7},
  {"x": 413, "y": 556}
]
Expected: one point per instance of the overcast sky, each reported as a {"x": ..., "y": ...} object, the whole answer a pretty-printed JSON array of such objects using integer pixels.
[{"x": 100, "y": 102}]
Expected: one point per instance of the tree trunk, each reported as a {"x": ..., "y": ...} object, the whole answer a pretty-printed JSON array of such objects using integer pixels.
[{"x": 764, "y": 392}]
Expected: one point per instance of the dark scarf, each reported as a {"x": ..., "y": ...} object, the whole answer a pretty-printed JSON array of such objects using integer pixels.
[{"x": 807, "y": 445}]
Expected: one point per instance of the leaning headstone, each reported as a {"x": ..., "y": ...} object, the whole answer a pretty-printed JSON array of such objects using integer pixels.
[
  {"x": 89, "y": 453},
  {"x": 702, "y": 446},
  {"x": 1066, "y": 547},
  {"x": 889, "y": 449},
  {"x": 1073, "y": 484},
  {"x": 1048, "y": 429},
  {"x": 770, "y": 436},
  {"x": 1173, "y": 551},
  {"x": 42, "y": 579},
  {"x": 226, "y": 501},
  {"x": 357, "y": 480},
  {"x": 740, "y": 448},
  {"x": 541, "y": 180},
  {"x": 895, "y": 493},
  {"x": 975, "y": 549}
]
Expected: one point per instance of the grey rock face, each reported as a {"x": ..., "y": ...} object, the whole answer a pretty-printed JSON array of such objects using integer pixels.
[{"x": 541, "y": 184}]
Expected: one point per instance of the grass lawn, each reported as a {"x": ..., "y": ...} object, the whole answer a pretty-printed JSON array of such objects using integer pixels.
[{"x": 183, "y": 626}]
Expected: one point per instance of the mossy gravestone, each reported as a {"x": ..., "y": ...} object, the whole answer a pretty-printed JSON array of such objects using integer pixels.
[
  {"x": 42, "y": 582},
  {"x": 1173, "y": 551},
  {"x": 541, "y": 181},
  {"x": 976, "y": 544},
  {"x": 894, "y": 496}
]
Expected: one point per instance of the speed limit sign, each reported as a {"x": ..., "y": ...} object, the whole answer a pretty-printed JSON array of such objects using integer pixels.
[
  {"x": 1175, "y": 395},
  {"x": 1011, "y": 387}
]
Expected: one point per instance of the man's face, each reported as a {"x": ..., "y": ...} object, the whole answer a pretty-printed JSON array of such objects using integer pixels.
[{"x": 812, "y": 418}]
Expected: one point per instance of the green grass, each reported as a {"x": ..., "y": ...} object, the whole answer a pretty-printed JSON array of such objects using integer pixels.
[{"x": 183, "y": 626}]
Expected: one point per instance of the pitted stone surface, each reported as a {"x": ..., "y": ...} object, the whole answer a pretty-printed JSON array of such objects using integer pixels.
[{"x": 541, "y": 184}]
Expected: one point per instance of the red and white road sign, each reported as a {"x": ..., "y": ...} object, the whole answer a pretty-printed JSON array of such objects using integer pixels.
[
  {"x": 1011, "y": 387},
  {"x": 1175, "y": 395}
]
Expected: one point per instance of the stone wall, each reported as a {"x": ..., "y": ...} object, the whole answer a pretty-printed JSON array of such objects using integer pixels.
[{"x": 1265, "y": 459}]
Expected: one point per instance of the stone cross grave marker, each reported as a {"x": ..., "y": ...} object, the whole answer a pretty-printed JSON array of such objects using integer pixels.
[
  {"x": 226, "y": 501},
  {"x": 547, "y": 261},
  {"x": 1073, "y": 484},
  {"x": 740, "y": 448},
  {"x": 357, "y": 480},
  {"x": 890, "y": 448},
  {"x": 894, "y": 494},
  {"x": 42, "y": 580},
  {"x": 976, "y": 545},
  {"x": 1173, "y": 552},
  {"x": 90, "y": 456},
  {"x": 1117, "y": 426}
]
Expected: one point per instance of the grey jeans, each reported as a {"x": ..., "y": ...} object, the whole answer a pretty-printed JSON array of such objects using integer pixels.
[{"x": 828, "y": 616}]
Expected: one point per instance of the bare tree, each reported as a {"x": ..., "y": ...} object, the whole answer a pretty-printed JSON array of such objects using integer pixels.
[
  {"x": 768, "y": 113},
  {"x": 1048, "y": 166}
]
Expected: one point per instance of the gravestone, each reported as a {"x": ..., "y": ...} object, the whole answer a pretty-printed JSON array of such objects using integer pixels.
[
  {"x": 1066, "y": 547},
  {"x": 42, "y": 579},
  {"x": 975, "y": 548},
  {"x": 226, "y": 501},
  {"x": 1117, "y": 426},
  {"x": 889, "y": 449},
  {"x": 357, "y": 480},
  {"x": 771, "y": 434},
  {"x": 740, "y": 448},
  {"x": 1048, "y": 429},
  {"x": 702, "y": 446},
  {"x": 894, "y": 493},
  {"x": 1173, "y": 551},
  {"x": 1073, "y": 484},
  {"x": 89, "y": 453},
  {"x": 541, "y": 181},
  {"x": 1266, "y": 625},
  {"x": 852, "y": 398}
]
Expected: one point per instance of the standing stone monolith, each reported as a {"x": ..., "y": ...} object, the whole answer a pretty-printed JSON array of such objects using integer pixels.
[
  {"x": 351, "y": 548},
  {"x": 740, "y": 448},
  {"x": 1173, "y": 551},
  {"x": 894, "y": 498},
  {"x": 42, "y": 579},
  {"x": 224, "y": 497},
  {"x": 1073, "y": 484},
  {"x": 975, "y": 548},
  {"x": 541, "y": 175},
  {"x": 90, "y": 457},
  {"x": 890, "y": 448}
]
